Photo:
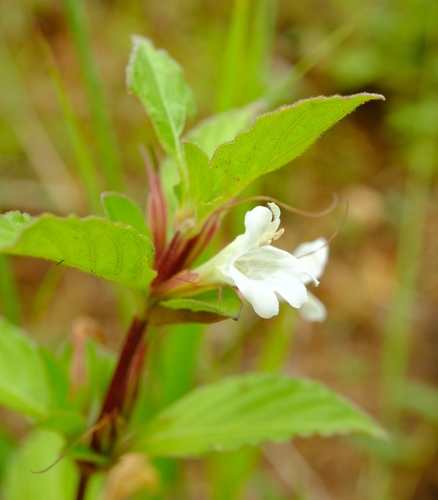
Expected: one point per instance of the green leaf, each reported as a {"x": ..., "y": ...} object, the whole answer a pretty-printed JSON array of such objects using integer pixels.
[
  {"x": 119, "y": 208},
  {"x": 178, "y": 362},
  {"x": 38, "y": 451},
  {"x": 58, "y": 379},
  {"x": 10, "y": 225},
  {"x": 275, "y": 139},
  {"x": 203, "y": 180},
  {"x": 84, "y": 454},
  {"x": 159, "y": 83},
  {"x": 205, "y": 307},
  {"x": 64, "y": 416},
  {"x": 7, "y": 444},
  {"x": 100, "y": 365},
  {"x": 109, "y": 250},
  {"x": 23, "y": 383},
  {"x": 250, "y": 409},
  {"x": 199, "y": 146},
  {"x": 210, "y": 133},
  {"x": 67, "y": 422}
]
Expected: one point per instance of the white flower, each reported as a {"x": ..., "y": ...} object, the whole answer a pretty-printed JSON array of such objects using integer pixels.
[
  {"x": 313, "y": 257},
  {"x": 262, "y": 272}
]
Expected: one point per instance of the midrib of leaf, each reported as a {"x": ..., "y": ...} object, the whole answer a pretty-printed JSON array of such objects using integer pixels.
[
  {"x": 167, "y": 112},
  {"x": 163, "y": 104}
]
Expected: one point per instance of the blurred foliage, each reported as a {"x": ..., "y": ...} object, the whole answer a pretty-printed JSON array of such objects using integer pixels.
[{"x": 378, "y": 345}]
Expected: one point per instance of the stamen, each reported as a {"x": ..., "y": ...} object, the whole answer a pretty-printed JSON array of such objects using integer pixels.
[{"x": 278, "y": 234}]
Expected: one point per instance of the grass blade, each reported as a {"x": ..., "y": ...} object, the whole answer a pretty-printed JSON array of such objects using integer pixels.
[
  {"x": 84, "y": 161},
  {"x": 106, "y": 140},
  {"x": 233, "y": 68}
]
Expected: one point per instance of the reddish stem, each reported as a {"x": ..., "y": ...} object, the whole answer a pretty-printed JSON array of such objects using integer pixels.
[
  {"x": 86, "y": 471},
  {"x": 116, "y": 393}
]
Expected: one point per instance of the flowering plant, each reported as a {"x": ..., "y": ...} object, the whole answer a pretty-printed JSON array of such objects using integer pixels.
[{"x": 157, "y": 261}]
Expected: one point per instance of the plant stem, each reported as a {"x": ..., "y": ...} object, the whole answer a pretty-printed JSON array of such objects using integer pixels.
[
  {"x": 131, "y": 356},
  {"x": 115, "y": 395},
  {"x": 82, "y": 486}
]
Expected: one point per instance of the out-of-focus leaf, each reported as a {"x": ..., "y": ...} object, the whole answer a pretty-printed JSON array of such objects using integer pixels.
[
  {"x": 38, "y": 451},
  {"x": 205, "y": 307},
  {"x": 250, "y": 409},
  {"x": 67, "y": 422},
  {"x": 159, "y": 83},
  {"x": 222, "y": 127},
  {"x": 23, "y": 383},
  {"x": 100, "y": 364},
  {"x": 178, "y": 361},
  {"x": 64, "y": 415},
  {"x": 57, "y": 379},
  {"x": 421, "y": 399},
  {"x": 7, "y": 444},
  {"x": 83, "y": 453},
  {"x": 400, "y": 450},
  {"x": 119, "y": 208},
  {"x": 109, "y": 250}
]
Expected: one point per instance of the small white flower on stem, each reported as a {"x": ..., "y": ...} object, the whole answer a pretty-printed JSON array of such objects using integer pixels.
[{"x": 263, "y": 273}]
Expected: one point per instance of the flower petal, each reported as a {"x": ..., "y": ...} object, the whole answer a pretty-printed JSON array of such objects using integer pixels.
[
  {"x": 256, "y": 224},
  {"x": 313, "y": 257},
  {"x": 264, "y": 262},
  {"x": 313, "y": 309},
  {"x": 289, "y": 287},
  {"x": 261, "y": 297}
]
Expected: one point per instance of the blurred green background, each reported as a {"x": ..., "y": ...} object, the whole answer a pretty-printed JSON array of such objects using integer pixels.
[{"x": 70, "y": 130}]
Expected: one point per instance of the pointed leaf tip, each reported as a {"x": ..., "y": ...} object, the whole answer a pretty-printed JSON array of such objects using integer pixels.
[{"x": 158, "y": 81}]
